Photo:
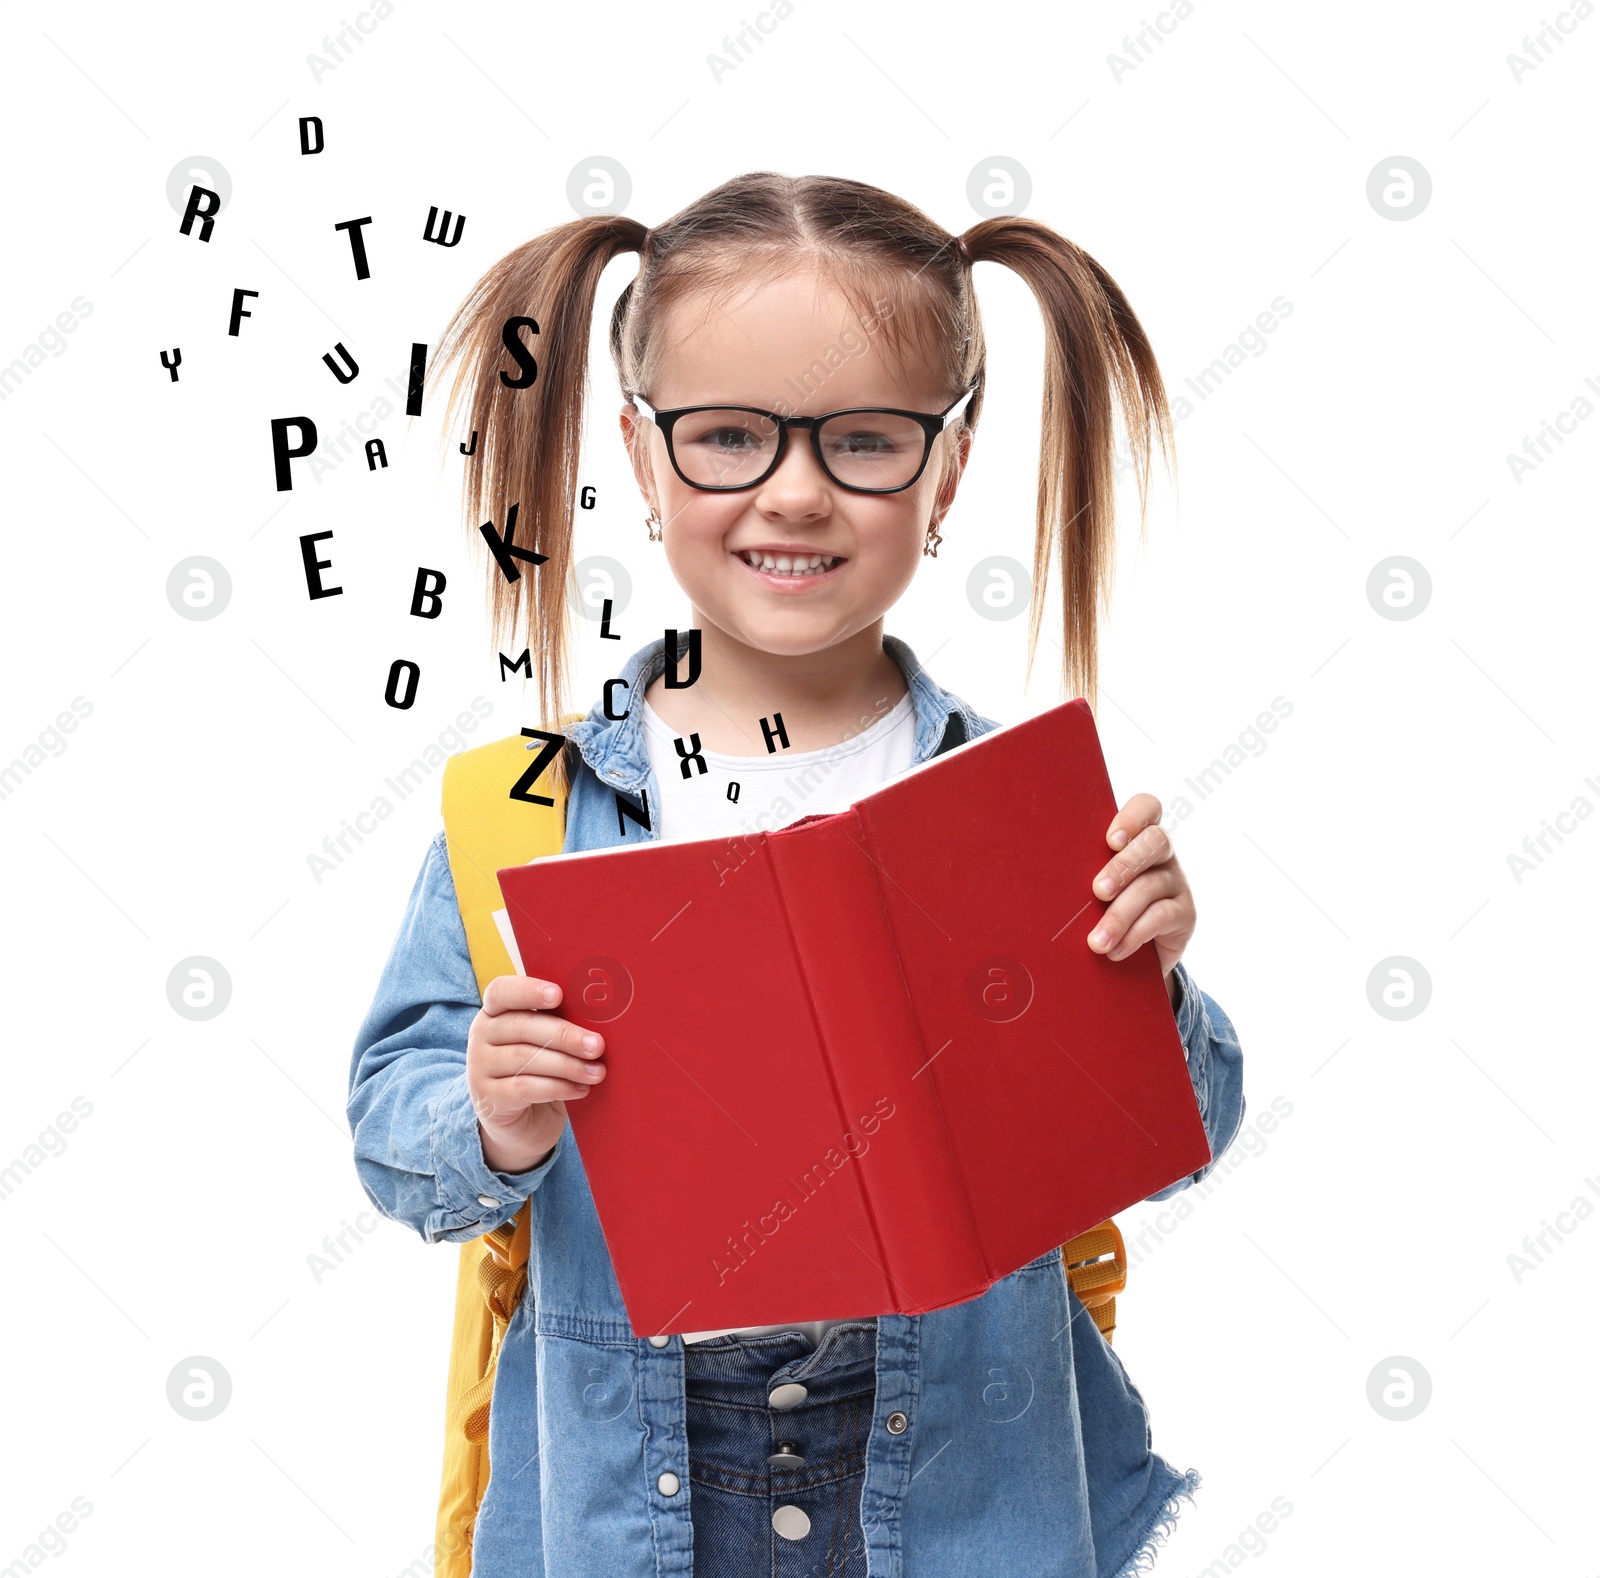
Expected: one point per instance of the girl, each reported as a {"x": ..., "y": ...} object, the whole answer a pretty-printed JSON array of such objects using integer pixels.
[{"x": 802, "y": 365}]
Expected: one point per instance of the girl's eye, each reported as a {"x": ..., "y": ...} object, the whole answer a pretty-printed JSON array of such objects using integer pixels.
[
  {"x": 862, "y": 443},
  {"x": 731, "y": 440}
]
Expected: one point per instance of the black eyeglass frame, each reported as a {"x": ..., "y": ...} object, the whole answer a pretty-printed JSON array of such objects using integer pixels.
[{"x": 932, "y": 426}]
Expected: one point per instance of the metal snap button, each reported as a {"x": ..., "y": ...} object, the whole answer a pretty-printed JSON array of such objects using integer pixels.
[
  {"x": 659, "y": 1342},
  {"x": 786, "y": 1456},
  {"x": 790, "y": 1395},
  {"x": 668, "y": 1484},
  {"x": 791, "y": 1523},
  {"x": 487, "y": 1199},
  {"x": 896, "y": 1423}
]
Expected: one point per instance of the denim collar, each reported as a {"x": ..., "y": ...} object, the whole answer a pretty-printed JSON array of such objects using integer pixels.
[{"x": 615, "y": 748}]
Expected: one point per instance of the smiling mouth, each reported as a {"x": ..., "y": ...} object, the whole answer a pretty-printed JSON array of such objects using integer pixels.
[{"x": 796, "y": 566}]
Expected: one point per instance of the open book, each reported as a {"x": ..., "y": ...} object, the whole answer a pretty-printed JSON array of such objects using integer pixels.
[{"x": 866, "y": 1061}]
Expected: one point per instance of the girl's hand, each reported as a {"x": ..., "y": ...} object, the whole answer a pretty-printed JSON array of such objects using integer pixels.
[
  {"x": 1150, "y": 897},
  {"x": 522, "y": 1065}
]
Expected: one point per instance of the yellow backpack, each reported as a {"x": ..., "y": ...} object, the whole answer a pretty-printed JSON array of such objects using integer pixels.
[{"x": 485, "y": 830}]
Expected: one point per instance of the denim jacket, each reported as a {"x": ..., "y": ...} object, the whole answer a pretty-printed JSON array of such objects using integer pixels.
[{"x": 1028, "y": 1449}]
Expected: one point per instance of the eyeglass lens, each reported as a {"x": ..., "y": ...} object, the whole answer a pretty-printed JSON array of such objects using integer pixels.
[{"x": 725, "y": 448}]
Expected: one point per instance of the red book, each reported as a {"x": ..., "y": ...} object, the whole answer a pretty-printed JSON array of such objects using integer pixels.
[{"x": 865, "y": 1063}]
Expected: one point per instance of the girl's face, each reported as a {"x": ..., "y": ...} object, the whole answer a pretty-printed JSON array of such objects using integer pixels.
[{"x": 790, "y": 337}]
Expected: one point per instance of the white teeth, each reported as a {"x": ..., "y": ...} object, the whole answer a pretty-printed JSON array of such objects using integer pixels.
[{"x": 789, "y": 563}]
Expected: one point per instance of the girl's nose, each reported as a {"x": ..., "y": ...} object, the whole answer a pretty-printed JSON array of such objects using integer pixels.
[{"x": 798, "y": 475}]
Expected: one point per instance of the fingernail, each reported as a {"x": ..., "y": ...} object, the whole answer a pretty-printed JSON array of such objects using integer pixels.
[
  {"x": 548, "y": 995},
  {"x": 1119, "y": 838},
  {"x": 1099, "y": 938},
  {"x": 1103, "y": 886},
  {"x": 592, "y": 1041}
]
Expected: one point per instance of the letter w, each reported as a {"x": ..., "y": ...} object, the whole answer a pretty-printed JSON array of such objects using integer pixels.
[{"x": 439, "y": 239}]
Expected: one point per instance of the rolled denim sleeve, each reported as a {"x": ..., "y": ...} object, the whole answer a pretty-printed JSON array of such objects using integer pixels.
[
  {"x": 417, "y": 1149},
  {"x": 1216, "y": 1068}
]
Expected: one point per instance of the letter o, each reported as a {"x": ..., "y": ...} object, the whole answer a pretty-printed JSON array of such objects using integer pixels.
[{"x": 402, "y": 666}]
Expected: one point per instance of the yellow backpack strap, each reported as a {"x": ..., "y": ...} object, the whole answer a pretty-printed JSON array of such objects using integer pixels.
[
  {"x": 485, "y": 829},
  {"x": 1097, "y": 1271}
]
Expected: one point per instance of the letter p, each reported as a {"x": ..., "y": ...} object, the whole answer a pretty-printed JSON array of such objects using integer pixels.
[{"x": 282, "y": 454}]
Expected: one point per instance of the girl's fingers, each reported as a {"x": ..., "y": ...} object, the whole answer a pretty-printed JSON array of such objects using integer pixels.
[
  {"x": 507, "y": 993},
  {"x": 520, "y": 1059},
  {"x": 1164, "y": 916},
  {"x": 516, "y": 1026},
  {"x": 523, "y": 1090},
  {"x": 508, "y": 1097},
  {"x": 1133, "y": 818},
  {"x": 1135, "y": 901},
  {"x": 1149, "y": 847}
]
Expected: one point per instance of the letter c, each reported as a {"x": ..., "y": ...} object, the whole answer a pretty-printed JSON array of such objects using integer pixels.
[{"x": 605, "y": 706}]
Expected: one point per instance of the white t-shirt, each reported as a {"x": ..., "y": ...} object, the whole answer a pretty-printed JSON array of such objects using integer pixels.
[{"x": 774, "y": 790}]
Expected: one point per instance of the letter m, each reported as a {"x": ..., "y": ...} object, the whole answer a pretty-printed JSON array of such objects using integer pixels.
[{"x": 523, "y": 665}]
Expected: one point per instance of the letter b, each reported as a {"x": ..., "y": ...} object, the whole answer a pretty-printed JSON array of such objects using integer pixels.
[{"x": 429, "y": 584}]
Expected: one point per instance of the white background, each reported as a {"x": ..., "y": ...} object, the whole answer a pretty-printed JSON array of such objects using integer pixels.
[{"x": 1227, "y": 169}]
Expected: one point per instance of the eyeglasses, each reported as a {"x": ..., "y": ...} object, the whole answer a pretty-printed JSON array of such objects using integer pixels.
[{"x": 866, "y": 449}]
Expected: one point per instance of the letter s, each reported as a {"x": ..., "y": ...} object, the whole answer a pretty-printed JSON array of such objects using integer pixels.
[
  {"x": 510, "y": 337},
  {"x": 84, "y": 1109},
  {"x": 1282, "y": 1506},
  {"x": 85, "y": 709},
  {"x": 1286, "y": 309},
  {"x": 85, "y": 309},
  {"x": 1285, "y": 709},
  {"x": 1282, "y": 1106},
  {"x": 877, "y": 1107}
]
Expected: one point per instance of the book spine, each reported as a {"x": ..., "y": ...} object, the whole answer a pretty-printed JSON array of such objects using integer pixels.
[{"x": 892, "y": 1128}]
